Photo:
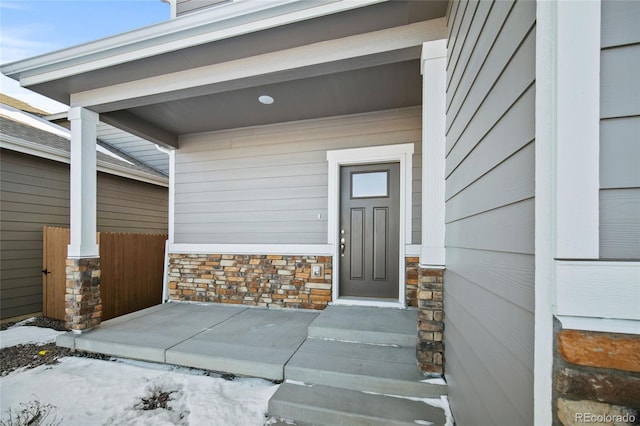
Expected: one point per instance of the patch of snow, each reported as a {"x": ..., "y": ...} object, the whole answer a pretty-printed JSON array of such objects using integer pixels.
[
  {"x": 422, "y": 422},
  {"x": 299, "y": 383},
  {"x": 23, "y": 335},
  {"x": 24, "y": 322},
  {"x": 434, "y": 381},
  {"x": 104, "y": 392},
  {"x": 442, "y": 402},
  {"x": 391, "y": 345}
]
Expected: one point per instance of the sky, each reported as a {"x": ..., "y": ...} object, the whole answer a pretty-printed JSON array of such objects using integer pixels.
[{"x": 33, "y": 27}]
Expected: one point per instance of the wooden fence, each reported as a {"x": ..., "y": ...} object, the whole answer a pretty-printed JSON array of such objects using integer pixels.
[{"x": 131, "y": 271}]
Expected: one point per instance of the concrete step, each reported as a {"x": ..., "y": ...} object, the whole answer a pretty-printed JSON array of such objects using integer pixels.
[
  {"x": 367, "y": 324},
  {"x": 322, "y": 405},
  {"x": 361, "y": 367}
]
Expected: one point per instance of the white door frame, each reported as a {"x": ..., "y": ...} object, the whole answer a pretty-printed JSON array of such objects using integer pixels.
[{"x": 402, "y": 153}]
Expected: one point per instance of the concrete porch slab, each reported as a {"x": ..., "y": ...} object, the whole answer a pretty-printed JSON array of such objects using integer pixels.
[
  {"x": 147, "y": 334},
  {"x": 257, "y": 342},
  {"x": 367, "y": 324}
]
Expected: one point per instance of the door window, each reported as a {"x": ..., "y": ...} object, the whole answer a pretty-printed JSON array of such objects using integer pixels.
[{"x": 370, "y": 184}]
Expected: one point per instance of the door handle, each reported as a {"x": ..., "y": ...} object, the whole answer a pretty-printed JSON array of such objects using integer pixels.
[
  {"x": 46, "y": 271},
  {"x": 342, "y": 243}
]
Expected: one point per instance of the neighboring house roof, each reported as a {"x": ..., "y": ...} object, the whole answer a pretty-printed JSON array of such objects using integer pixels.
[
  {"x": 22, "y": 106},
  {"x": 24, "y": 132},
  {"x": 126, "y": 143}
]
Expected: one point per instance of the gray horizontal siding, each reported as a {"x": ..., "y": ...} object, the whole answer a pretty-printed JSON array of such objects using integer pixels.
[
  {"x": 490, "y": 215},
  {"x": 35, "y": 192},
  {"x": 620, "y": 131},
  {"x": 620, "y": 223},
  {"x": 130, "y": 206},
  {"x": 269, "y": 184}
]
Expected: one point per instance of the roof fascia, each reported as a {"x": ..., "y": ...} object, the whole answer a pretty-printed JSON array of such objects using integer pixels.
[
  {"x": 347, "y": 53},
  {"x": 232, "y": 20}
]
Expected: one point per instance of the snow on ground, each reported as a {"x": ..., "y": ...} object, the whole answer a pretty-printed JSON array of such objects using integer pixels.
[
  {"x": 22, "y": 335},
  {"x": 93, "y": 392}
]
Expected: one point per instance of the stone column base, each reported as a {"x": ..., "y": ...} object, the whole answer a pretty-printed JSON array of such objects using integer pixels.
[
  {"x": 430, "y": 345},
  {"x": 83, "y": 305}
]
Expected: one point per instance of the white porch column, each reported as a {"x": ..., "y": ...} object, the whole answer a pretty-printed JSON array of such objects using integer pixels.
[
  {"x": 83, "y": 183},
  {"x": 433, "y": 66}
]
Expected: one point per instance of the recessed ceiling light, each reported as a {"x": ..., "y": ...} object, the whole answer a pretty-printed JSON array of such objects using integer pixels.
[{"x": 265, "y": 99}]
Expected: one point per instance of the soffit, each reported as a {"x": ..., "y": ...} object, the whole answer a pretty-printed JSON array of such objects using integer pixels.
[
  {"x": 328, "y": 90},
  {"x": 384, "y": 87}
]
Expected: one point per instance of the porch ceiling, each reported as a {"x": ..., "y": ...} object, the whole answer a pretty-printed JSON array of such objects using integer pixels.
[
  {"x": 370, "y": 89},
  {"x": 324, "y": 66}
]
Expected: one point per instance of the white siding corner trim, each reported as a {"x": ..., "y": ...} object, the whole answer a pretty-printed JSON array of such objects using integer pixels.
[
  {"x": 434, "y": 81},
  {"x": 402, "y": 153},
  {"x": 544, "y": 219},
  {"x": 578, "y": 130}
]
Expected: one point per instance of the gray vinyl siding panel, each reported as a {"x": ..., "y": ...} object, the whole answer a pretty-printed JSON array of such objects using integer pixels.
[
  {"x": 268, "y": 184},
  {"x": 619, "y": 87},
  {"x": 130, "y": 206},
  {"x": 490, "y": 214},
  {"x": 620, "y": 153},
  {"x": 35, "y": 192},
  {"x": 620, "y": 223},
  {"x": 620, "y": 23},
  {"x": 620, "y": 131}
]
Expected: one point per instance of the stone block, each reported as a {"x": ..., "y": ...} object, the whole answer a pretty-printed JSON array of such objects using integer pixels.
[
  {"x": 574, "y": 413},
  {"x": 425, "y": 295},
  {"x": 604, "y": 350},
  {"x": 430, "y": 325},
  {"x": 322, "y": 286},
  {"x": 618, "y": 389}
]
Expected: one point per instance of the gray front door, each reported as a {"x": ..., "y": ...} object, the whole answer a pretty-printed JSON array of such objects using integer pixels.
[{"x": 369, "y": 230}]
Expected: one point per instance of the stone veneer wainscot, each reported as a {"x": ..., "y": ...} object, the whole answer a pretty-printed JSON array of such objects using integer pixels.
[
  {"x": 83, "y": 305},
  {"x": 596, "y": 375},
  {"x": 430, "y": 345},
  {"x": 259, "y": 280}
]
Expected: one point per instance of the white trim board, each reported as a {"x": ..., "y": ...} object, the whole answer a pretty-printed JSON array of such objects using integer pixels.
[
  {"x": 598, "y": 289},
  {"x": 411, "y": 250},
  {"x": 604, "y": 325},
  {"x": 258, "y": 249},
  {"x": 402, "y": 153}
]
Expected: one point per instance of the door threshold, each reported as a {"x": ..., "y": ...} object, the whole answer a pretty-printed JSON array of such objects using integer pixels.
[{"x": 373, "y": 302}]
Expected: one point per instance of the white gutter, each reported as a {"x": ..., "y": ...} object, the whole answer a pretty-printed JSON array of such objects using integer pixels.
[{"x": 226, "y": 21}]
